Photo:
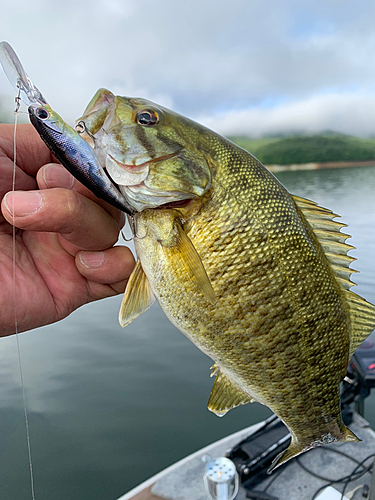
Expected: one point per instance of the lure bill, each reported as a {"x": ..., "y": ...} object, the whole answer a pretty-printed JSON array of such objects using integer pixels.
[
  {"x": 17, "y": 76},
  {"x": 67, "y": 145}
]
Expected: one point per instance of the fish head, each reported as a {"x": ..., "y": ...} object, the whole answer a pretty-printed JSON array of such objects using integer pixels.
[{"x": 150, "y": 152}]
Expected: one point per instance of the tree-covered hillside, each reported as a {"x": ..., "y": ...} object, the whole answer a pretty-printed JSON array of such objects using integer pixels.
[{"x": 308, "y": 148}]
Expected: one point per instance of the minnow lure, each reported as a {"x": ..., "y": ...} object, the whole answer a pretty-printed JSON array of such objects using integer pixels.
[{"x": 67, "y": 145}]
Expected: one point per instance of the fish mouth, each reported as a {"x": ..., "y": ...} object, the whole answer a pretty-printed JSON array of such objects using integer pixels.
[
  {"x": 131, "y": 180},
  {"x": 176, "y": 204},
  {"x": 136, "y": 168},
  {"x": 142, "y": 197},
  {"x": 145, "y": 163},
  {"x": 124, "y": 174}
]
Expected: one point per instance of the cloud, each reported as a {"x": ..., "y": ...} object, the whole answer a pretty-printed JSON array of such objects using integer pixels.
[
  {"x": 346, "y": 113},
  {"x": 198, "y": 57}
]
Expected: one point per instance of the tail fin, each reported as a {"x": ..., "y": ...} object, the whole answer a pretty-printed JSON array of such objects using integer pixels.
[
  {"x": 348, "y": 435},
  {"x": 293, "y": 450},
  {"x": 296, "y": 449}
]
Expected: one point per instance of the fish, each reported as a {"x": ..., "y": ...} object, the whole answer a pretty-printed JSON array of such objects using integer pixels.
[{"x": 258, "y": 279}]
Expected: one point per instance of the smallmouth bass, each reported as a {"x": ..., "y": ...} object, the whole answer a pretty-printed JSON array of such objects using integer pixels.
[{"x": 256, "y": 278}]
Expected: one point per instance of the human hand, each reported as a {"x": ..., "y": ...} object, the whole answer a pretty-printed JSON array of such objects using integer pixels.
[{"x": 64, "y": 253}]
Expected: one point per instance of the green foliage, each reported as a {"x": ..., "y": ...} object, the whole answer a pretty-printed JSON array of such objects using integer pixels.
[{"x": 308, "y": 149}]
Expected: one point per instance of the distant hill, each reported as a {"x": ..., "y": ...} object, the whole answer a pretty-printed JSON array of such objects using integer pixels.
[{"x": 308, "y": 148}]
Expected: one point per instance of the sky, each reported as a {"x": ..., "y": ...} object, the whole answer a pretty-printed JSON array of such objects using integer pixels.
[{"x": 245, "y": 67}]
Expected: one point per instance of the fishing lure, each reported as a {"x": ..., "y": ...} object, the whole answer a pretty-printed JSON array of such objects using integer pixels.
[{"x": 67, "y": 145}]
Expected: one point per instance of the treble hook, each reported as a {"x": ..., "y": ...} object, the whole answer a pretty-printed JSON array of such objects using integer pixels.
[
  {"x": 133, "y": 227},
  {"x": 125, "y": 238},
  {"x": 141, "y": 237}
]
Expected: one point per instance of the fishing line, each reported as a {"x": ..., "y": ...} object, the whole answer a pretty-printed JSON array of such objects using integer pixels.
[{"x": 18, "y": 103}]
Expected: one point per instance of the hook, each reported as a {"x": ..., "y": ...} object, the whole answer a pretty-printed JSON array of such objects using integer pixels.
[
  {"x": 133, "y": 226},
  {"x": 124, "y": 237}
]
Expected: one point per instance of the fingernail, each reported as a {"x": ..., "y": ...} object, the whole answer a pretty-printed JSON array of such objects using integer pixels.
[
  {"x": 57, "y": 176},
  {"x": 91, "y": 259},
  {"x": 21, "y": 203}
]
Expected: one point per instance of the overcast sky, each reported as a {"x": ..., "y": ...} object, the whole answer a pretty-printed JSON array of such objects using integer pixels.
[{"x": 239, "y": 66}]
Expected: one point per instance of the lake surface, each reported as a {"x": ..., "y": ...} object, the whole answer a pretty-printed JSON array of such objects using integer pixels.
[{"x": 109, "y": 407}]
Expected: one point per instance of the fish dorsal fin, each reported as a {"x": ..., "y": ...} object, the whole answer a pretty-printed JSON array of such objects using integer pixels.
[
  {"x": 183, "y": 255},
  {"x": 330, "y": 237},
  {"x": 225, "y": 395},
  {"x": 362, "y": 318},
  {"x": 362, "y": 313},
  {"x": 138, "y": 296}
]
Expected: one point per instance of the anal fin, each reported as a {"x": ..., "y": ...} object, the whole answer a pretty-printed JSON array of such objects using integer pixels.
[
  {"x": 138, "y": 296},
  {"x": 225, "y": 395}
]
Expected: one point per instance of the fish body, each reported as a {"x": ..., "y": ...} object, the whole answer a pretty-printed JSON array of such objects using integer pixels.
[
  {"x": 279, "y": 330},
  {"x": 254, "y": 277}
]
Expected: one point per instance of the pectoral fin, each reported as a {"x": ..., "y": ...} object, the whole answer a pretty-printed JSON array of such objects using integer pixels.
[
  {"x": 184, "y": 255},
  {"x": 138, "y": 296},
  {"x": 225, "y": 395}
]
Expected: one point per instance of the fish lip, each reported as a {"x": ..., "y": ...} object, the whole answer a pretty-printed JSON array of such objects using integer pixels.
[
  {"x": 167, "y": 195},
  {"x": 141, "y": 166},
  {"x": 176, "y": 204}
]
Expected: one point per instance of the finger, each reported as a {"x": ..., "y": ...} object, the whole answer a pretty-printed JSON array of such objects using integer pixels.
[
  {"x": 80, "y": 220},
  {"x": 32, "y": 153},
  {"x": 7, "y": 171},
  {"x": 54, "y": 175},
  {"x": 112, "y": 266}
]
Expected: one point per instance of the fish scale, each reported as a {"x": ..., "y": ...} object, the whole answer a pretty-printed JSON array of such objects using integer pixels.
[{"x": 270, "y": 330}]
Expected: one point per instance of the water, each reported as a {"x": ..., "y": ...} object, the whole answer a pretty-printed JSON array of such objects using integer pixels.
[{"x": 110, "y": 407}]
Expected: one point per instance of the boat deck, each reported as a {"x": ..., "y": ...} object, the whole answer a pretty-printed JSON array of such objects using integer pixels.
[
  {"x": 184, "y": 480},
  {"x": 145, "y": 494}
]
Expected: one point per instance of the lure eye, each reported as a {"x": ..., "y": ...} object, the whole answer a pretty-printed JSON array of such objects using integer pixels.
[
  {"x": 147, "y": 117},
  {"x": 41, "y": 113}
]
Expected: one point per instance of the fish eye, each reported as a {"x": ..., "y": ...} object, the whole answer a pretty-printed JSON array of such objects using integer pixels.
[
  {"x": 147, "y": 117},
  {"x": 41, "y": 113}
]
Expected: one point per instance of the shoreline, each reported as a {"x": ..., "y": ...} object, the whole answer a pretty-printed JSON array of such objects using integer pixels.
[{"x": 317, "y": 166}]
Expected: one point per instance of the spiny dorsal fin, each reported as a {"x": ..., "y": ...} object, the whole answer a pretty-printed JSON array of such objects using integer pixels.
[
  {"x": 225, "y": 395},
  {"x": 138, "y": 296},
  {"x": 331, "y": 239},
  {"x": 362, "y": 318},
  {"x": 183, "y": 255},
  {"x": 362, "y": 313}
]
